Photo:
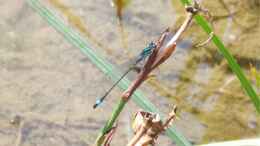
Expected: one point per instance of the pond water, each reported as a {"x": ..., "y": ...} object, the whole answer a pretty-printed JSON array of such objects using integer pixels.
[{"x": 52, "y": 86}]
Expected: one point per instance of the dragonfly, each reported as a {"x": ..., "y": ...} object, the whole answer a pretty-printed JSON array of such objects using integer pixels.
[{"x": 146, "y": 52}]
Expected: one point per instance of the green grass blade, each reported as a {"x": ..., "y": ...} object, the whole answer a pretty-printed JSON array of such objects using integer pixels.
[
  {"x": 230, "y": 59},
  {"x": 108, "y": 69}
]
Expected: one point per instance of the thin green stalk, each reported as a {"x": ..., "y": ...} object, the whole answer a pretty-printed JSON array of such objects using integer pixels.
[
  {"x": 230, "y": 59},
  {"x": 109, "y": 124}
]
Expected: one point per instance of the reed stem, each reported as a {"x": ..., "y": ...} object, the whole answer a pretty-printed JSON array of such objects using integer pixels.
[{"x": 100, "y": 139}]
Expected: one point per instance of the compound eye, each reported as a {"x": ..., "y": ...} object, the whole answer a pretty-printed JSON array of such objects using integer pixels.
[{"x": 152, "y": 44}]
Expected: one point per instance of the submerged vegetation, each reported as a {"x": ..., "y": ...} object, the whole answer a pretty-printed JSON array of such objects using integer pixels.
[
  {"x": 77, "y": 22},
  {"x": 120, "y": 5},
  {"x": 255, "y": 76}
]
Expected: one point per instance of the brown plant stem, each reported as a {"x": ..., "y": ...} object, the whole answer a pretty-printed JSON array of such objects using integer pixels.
[
  {"x": 161, "y": 53},
  {"x": 147, "y": 127}
]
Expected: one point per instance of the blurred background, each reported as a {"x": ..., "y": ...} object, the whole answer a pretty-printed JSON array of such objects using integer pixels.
[{"x": 48, "y": 86}]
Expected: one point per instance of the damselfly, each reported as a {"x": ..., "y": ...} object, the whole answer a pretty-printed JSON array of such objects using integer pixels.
[{"x": 146, "y": 52}]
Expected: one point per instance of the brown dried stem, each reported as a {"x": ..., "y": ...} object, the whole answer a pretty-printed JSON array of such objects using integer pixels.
[
  {"x": 165, "y": 46},
  {"x": 147, "y": 127}
]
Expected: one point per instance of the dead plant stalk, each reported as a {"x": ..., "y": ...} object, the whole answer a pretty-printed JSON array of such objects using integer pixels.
[{"x": 165, "y": 45}]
